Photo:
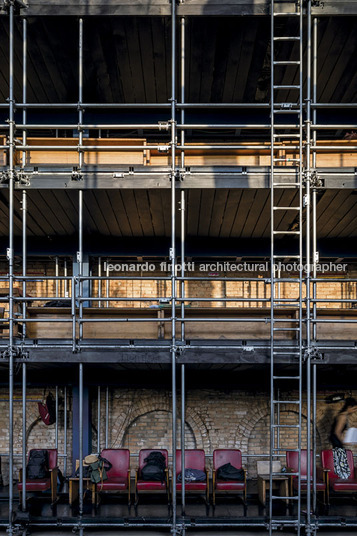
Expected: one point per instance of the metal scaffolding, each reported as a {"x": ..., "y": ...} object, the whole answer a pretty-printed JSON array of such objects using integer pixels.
[{"x": 305, "y": 129}]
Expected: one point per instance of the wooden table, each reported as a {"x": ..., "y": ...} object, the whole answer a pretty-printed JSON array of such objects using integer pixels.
[
  {"x": 279, "y": 482},
  {"x": 87, "y": 485}
]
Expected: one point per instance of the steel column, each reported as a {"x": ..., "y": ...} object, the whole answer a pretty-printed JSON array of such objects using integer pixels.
[
  {"x": 10, "y": 256},
  {"x": 173, "y": 261},
  {"x": 308, "y": 259},
  {"x": 98, "y": 420},
  {"x": 80, "y": 439},
  {"x": 24, "y": 452},
  {"x": 65, "y": 433},
  {"x": 106, "y": 417}
]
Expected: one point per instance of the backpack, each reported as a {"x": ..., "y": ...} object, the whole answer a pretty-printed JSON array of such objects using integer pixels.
[
  {"x": 48, "y": 410},
  {"x": 154, "y": 470},
  {"x": 229, "y": 472},
  {"x": 37, "y": 466},
  {"x": 192, "y": 475}
]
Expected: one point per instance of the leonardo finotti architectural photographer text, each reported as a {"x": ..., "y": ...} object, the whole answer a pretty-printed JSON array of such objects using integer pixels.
[{"x": 328, "y": 267}]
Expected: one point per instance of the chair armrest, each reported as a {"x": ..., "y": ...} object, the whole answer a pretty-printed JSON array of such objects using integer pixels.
[{"x": 322, "y": 473}]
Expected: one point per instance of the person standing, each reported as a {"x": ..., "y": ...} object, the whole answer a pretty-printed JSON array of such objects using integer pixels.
[{"x": 339, "y": 427}]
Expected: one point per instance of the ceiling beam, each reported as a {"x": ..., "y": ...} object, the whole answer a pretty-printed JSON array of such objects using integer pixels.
[
  {"x": 189, "y": 7},
  {"x": 202, "y": 177}
]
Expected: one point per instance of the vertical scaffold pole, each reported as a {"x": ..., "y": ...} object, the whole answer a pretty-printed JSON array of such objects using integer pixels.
[
  {"x": 173, "y": 259},
  {"x": 80, "y": 260},
  {"x": 65, "y": 432},
  {"x": 308, "y": 260},
  {"x": 107, "y": 417},
  {"x": 98, "y": 419},
  {"x": 10, "y": 256},
  {"x": 183, "y": 211},
  {"x": 24, "y": 259},
  {"x": 80, "y": 156},
  {"x": 314, "y": 250}
]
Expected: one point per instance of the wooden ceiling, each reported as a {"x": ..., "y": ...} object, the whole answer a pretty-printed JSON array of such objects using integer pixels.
[
  {"x": 127, "y": 59},
  {"x": 223, "y": 213}
]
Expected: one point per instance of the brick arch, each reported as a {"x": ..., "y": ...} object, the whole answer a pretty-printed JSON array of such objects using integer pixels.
[
  {"x": 161, "y": 402},
  {"x": 246, "y": 427}
]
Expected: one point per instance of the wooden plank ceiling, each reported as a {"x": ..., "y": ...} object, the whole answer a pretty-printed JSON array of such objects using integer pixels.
[
  {"x": 127, "y": 59},
  {"x": 241, "y": 213}
]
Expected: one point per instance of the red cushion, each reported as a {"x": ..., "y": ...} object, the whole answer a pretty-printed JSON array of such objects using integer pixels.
[
  {"x": 192, "y": 486},
  {"x": 194, "y": 459},
  {"x": 223, "y": 456},
  {"x": 145, "y": 485},
  {"x": 222, "y": 485},
  {"x": 344, "y": 485},
  {"x": 113, "y": 484},
  {"x": 327, "y": 463},
  {"x": 36, "y": 485},
  {"x": 120, "y": 460}
]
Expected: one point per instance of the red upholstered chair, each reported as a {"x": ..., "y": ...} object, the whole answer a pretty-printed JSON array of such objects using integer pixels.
[
  {"x": 332, "y": 480},
  {"x": 43, "y": 484},
  {"x": 234, "y": 457},
  {"x": 151, "y": 485},
  {"x": 194, "y": 459},
  {"x": 119, "y": 474},
  {"x": 292, "y": 463}
]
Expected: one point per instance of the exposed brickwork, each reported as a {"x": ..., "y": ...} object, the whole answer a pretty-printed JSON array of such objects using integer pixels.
[{"x": 193, "y": 289}]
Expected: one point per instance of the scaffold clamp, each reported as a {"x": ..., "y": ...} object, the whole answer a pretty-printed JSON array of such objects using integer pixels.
[{"x": 313, "y": 353}]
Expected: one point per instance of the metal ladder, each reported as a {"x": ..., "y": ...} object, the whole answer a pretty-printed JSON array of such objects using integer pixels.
[{"x": 286, "y": 127}]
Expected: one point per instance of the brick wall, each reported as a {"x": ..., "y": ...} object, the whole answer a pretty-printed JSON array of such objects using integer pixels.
[
  {"x": 142, "y": 418},
  {"x": 193, "y": 289}
]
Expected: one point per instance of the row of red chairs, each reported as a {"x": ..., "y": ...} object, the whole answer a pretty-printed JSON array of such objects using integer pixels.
[
  {"x": 326, "y": 478},
  {"x": 119, "y": 474}
]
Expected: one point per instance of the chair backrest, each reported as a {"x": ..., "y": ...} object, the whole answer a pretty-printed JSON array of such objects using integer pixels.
[
  {"x": 144, "y": 453},
  {"x": 327, "y": 463},
  {"x": 292, "y": 461},
  {"x": 223, "y": 456},
  {"x": 52, "y": 457},
  {"x": 194, "y": 459},
  {"x": 120, "y": 460}
]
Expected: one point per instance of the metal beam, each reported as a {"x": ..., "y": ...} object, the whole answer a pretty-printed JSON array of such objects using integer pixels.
[
  {"x": 194, "y": 352},
  {"x": 197, "y": 177},
  {"x": 188, "y": 8}
]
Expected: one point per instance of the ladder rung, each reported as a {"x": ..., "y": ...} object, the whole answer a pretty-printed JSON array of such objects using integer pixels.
[
  {"x": 285, "y": 426},
  {"x": 281, "y": 449},
  {"x": 285, "y": 38},
  {"x": 286, "y": 354},
  {"x": 286, "y": 232},
  {"x": 286, "y": 184},
  {"x": 286, "y": 280},
  {"x": 287, "y": 86},
  {"x": 285, "y": 14},
  {"x": 286, "y": 402},
  {"x": 286, "y": 127},
  {"x": 287, "y": 62},
  {"x": 287, "y": 159},
  {"x": 286, "y": 208},
  {"x": 281, "y": 498},
  {"x": 287, "y": 136},
  {"x": 286, "y": 378},
  {"x": 287, "y": 111},
  {"x": 286, "y": 329},
  {"x": 286, "y": 256},
  {"x": 285, "y": 474}
]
